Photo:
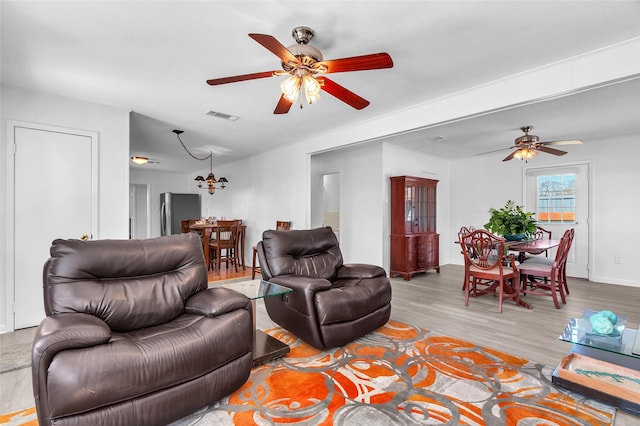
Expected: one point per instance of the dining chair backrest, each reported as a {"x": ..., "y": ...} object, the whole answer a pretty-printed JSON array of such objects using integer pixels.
[
  {"x": 464, "y": 230},
  {"x": 563, "y": 249},
  {"x": 541, "y": 234},
  {"x": 567, "y": 238},
  {"x": 229, "y": 222},
  {"x": 483, "y": 250},
  {"x": 283, "y": 225},
  {"x": 185, "y": 225}
]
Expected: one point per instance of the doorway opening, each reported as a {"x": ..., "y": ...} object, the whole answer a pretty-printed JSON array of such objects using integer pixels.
[
  {"x": 331, "y": 202},
  {"x": 139, "y": 211}
]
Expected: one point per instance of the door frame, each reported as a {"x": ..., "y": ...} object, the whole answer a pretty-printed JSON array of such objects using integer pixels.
[
  {"x": 7, "y": 287},
  {"x": 589, "y": 166}
]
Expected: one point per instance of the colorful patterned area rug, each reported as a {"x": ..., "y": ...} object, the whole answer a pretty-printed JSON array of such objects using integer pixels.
[{"x": 397, "y": 375}]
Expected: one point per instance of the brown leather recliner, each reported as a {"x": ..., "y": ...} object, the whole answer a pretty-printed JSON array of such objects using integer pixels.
[
  {"x": 132, "y": 334},
  {"x": 332, "y": 303}
]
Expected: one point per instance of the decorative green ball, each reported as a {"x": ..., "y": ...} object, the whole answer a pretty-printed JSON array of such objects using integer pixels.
[
  {"x": 601, "y": 324},
  {"x": 610, "y": 316}
]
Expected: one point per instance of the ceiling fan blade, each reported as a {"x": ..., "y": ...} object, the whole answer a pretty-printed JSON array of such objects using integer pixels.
[
  {"x": 284, "y": 105},
  {"x": 244, "y": 77},
  {"x": 275, "y": 47},
  {"x": 550, "y": 150},
  {"x": 342, "y": 93},
  {"x": 373, "y": 61},
  {"x": 497, "y": 150},
  {"x": 567, "y": 142},
  {"x": 510, "y": 156}
]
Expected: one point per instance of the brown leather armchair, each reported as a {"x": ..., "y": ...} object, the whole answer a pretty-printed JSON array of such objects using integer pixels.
[
  {"x": 332, "y": 303},
  {"x": 132, "y": 334}
]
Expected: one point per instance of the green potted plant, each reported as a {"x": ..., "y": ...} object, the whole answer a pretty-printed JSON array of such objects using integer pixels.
[{"x": 512, "y": 222}]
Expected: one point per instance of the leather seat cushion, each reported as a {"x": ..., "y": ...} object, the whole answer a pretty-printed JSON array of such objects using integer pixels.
[
  {"x": 348, "y": 300},
  {"x": 143, "y": 361}
]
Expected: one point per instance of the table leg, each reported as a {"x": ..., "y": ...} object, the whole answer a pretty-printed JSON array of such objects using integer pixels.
[{"x": 265, "y": 347}]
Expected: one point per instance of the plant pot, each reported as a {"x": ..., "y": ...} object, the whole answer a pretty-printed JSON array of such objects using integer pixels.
[{"x": 515, "y": 237}]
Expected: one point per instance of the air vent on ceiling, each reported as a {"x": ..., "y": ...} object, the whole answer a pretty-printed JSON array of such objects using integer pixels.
[{"x": 222, "y": 115}]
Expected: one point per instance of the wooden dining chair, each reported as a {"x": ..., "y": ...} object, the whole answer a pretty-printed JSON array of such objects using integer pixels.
[
  {"x": 255, "y": 267},
  {"x": 224, "y": 246},
  {"x": 546, "y": 277},
  {"x": 185, "y": 225},
  {"x": 487, "y": 266},
  {"x": 540, "y": 234}
]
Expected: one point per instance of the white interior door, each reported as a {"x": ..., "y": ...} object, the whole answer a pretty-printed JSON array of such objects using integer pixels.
[
  {"x": 55, "y": 181},
  {"x": 578, "y": 259}
]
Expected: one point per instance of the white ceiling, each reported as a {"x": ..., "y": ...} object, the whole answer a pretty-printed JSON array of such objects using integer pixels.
[{"x": 154, "y": 57}]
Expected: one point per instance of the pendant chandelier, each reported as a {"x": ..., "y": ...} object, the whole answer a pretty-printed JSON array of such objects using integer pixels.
[{"x": 208, "y": 183}]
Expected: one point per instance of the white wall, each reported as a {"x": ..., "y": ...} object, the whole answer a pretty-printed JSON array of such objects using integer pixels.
[
  {"x": 361, "y": 199},
  {"x": 112, "y": 126}
]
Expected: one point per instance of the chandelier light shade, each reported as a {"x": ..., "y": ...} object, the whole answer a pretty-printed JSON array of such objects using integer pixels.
[
  {"x": 210, "y": 182},
  {"x": 525, "y": 154},
  {"x": 311, "y": 88},
  {"x": 291, "y": 88},
  {"x": 292, "y": 85}
]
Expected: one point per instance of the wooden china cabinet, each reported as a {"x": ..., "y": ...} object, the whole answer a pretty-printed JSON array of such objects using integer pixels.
[{"x": 414, "y": 241}]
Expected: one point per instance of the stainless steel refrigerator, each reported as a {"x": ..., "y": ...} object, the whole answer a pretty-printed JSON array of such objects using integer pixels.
[{"x": 176, "y": 207}]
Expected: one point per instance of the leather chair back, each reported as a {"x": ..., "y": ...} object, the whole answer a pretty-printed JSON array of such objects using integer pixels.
[
  {"x": 140, "y": 283},
  {"x": 312, "y": 253}
]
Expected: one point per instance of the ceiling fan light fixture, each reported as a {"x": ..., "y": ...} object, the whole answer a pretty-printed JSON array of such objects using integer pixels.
[
  {"x": 311, "y": 88},
  {"x": 291, "y": 88},
  {"x": 139, "y": 160},
  {"x": 525, "y": 154}
]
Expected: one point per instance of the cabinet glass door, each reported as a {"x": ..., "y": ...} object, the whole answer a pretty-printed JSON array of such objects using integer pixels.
[
  {"x": 420, "y": 208},
  {"x": 431, "y": 209}
]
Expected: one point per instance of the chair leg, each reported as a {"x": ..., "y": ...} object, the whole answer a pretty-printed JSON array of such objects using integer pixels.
[
  {"x": 554, "y": 293},
  {"x": 564, "y": 281},
  {"x": 467, "y": 285}
]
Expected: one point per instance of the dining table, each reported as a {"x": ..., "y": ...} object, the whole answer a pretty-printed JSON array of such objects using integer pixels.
[
  {"x": 206, "y": 229},
  {"x": 530, "y": 247}
]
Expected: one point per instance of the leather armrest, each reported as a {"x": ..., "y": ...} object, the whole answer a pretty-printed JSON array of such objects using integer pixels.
[
  {"x": 216, "y": 301},
  {"x": 301, "y": 299},
  {"x": 360, "y": 270},
  {"x": 302, "y": 283},
  {"x": 69, "y": 331},
  {"x": 61, "y": 332}
]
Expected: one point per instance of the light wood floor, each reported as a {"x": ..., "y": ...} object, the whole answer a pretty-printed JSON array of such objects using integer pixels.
[{"x": 436, "y": 302}]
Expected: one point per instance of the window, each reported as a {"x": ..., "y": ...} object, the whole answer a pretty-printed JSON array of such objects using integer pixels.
[{"x": 556, "y": 198}]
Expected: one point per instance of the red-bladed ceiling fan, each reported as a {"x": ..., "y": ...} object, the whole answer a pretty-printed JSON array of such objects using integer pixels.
[
  {"x": 303, "y": 63},
  {"x": 527, "y": 147}
]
